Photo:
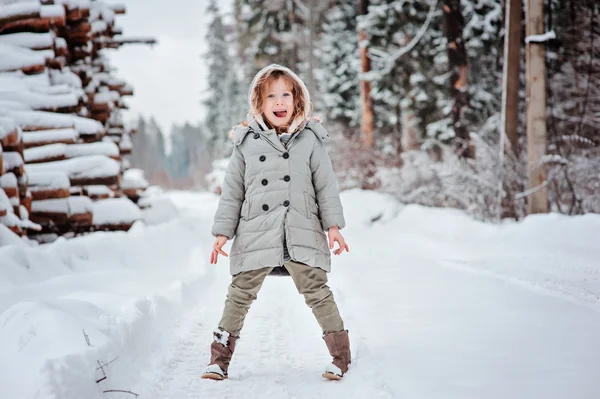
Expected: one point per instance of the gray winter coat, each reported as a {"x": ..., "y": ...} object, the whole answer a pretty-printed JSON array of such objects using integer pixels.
[{"x": 270, "y": 191}]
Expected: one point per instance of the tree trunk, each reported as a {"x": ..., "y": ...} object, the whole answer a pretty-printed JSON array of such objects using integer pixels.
[
  {"x": 536, "y": 108},
  {"x": 367, "y": 126},
  {"x": 512, "y": 65},
  {"x": 510, "y": 102},
  {"x": 457, "y": 60},
  {"x": 294, "y": 27}
]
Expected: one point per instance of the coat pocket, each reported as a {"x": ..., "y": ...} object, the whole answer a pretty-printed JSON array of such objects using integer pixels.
[
  {"x": 310, "y": 205},
  {"x": 245, "y": 211}
]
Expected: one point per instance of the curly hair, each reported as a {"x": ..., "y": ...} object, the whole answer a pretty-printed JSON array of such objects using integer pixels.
[{"x": 262, "y": 85}]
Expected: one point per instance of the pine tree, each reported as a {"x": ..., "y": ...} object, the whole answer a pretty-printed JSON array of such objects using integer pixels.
[
  {"x": 270, "y": 29},
  {"x": 149, "y": 147},
  {"x": 140, "y": 144},
  {"x": 155, "y": 158},
  {"x": 573, "y": 79},
  {"x": 409, "y": 92},
  {"x": 179, "y": 160},
  {"x": 338, "y": 75},
  {"x": 483, "y": 42},
  {"x": 223, "y": 100}
]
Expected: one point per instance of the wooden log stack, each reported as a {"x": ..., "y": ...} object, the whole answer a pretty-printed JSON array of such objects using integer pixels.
[{"x": 62, "y": 137}]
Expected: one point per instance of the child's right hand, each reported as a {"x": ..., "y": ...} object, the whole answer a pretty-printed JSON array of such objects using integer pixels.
[{"x": 219, "y": 242}]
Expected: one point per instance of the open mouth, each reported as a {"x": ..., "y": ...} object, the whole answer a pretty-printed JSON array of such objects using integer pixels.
[{"x": 280, "y": 114}]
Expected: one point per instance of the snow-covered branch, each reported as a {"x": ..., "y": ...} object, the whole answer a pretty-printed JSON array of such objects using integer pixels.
[
  {"x": 303, "y": 9},
  {"x": 403, "y": 50},
  {"x": 541, "y": 38}
]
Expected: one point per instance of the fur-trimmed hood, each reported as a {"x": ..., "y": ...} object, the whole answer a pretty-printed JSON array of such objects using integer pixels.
[
  {"x": 239, "y": 132},
  {"x": 307, "y": 105}
]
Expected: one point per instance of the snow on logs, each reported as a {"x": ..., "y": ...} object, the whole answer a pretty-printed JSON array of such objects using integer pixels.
[{"x": 62, "y": 137}]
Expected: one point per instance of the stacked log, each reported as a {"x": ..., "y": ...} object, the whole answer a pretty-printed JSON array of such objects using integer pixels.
[{"x": 62, "y": 138}]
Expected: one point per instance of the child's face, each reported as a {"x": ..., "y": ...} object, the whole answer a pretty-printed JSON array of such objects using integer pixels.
[{"x": 278, "y": 103}]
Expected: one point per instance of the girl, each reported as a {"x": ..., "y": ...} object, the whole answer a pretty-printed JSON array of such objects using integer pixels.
[{"x": 279, "y": 197}]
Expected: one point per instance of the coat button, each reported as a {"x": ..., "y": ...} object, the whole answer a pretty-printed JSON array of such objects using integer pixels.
[
  {"x": 265, "y": 207},
  {"x": 265, "y": 182},
  {"x": 262, "y": 158},
  {"x": 286, "y": 203},
  {"x": 256, "y": 135},
  {"x": 286, "y": 155},
  {"x": 286, "y": 178}
]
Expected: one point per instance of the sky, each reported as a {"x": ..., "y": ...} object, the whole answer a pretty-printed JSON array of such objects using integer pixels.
[{"x": 169, "y": 78}]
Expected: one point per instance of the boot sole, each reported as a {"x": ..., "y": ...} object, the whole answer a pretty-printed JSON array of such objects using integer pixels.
[
  {"x": 213, "y": 376},
  {"x": 331, "y": 376}
]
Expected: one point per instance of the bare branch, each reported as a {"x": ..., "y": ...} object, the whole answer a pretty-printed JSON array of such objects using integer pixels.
[{"x": 121, "y": 391}]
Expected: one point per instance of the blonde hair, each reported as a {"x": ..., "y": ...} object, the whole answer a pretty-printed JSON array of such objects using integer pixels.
[{"x": 301, "y": 100}]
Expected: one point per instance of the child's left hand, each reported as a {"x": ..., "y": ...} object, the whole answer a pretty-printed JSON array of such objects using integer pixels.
[{"x": 335, "y": 235}]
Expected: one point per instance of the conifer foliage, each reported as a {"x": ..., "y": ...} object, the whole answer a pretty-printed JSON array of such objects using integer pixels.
[{"x": 222, "y": 103}]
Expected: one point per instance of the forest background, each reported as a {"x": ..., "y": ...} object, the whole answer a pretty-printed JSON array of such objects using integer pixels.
[{"x": 489, "y": 107}]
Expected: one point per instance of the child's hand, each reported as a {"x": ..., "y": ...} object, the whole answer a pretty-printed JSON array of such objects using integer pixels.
[
  {"x": 335, "y": 235},
  {"x": 219, "y": 242}
]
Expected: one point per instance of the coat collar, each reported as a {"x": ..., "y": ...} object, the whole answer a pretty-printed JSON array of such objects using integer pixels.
[{"x": 240, "y": 132}]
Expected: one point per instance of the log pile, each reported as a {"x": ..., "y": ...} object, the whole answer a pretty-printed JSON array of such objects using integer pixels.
[{"x": 62, "y": 138}]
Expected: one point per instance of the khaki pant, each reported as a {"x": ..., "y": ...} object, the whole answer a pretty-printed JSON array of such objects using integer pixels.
[{"x": 310, "y": 282}]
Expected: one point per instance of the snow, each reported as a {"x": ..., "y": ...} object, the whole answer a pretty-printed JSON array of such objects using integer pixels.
[
  {"x": 70, "y": 206},
  {"x": 40, "y": 100},
  {"x": 107, "y": 96},
  {"x": 115, "y": 211},
  {"x": 438, "y": 306},
  {"x": 8, "y": 180},
  {"x": 99, "y": 190},
  {"x": 126, "y": 144},
  {"x": 7, "y": 126},
  {"x": 19, "y": 8},
  {"x": 11, "y": 160},
  {"x": 44, "y": 152},
  {"x": 15, "y": 57},
  {"x": 92, "y": 166},
  {"x": 34, "y": 41},
  {"x": 15, "y": 105},
  {"x": 50, "y": 135},
  {"x": 5, "y": 204},
  {"x": 52, "y": 11},
  {"x": 541, "y": 38},
  {"x": 99, "y": 27},
  {"x": 7, "y": 237},
  {"x": 35, "y": 119},
  {"x": 133, "y": 178},
  {"x": 65, "y": 76},
  {"x": 42, "y": 180},
  {"x": 98, "y": 148}
]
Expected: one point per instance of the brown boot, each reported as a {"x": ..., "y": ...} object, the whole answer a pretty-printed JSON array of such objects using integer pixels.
[
  {"x": 338, "y": 344},
  {"x": 221, "y": 351}
]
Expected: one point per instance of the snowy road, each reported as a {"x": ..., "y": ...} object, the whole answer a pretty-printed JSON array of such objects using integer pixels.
[
  {"x": 438, "y": 306},
  {"x": 430, "y": 332}
]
